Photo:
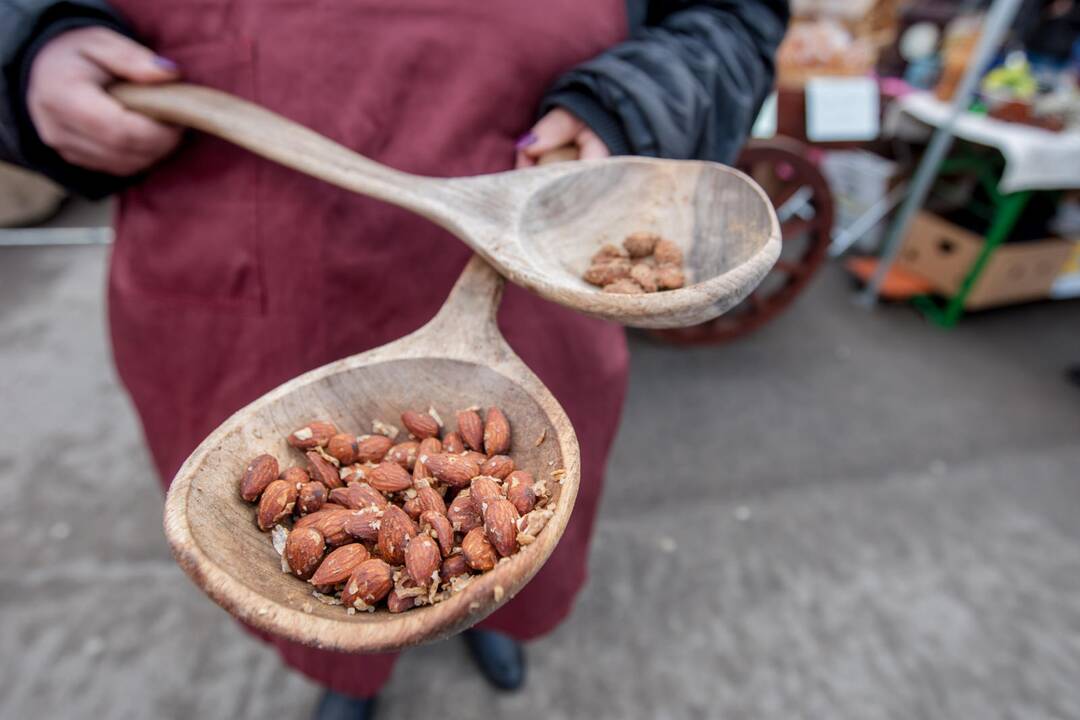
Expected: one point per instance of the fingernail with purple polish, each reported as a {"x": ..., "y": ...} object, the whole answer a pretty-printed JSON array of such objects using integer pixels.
[
  {"x": 526, "y": 140},
  {"x": 165, "y": 63}
]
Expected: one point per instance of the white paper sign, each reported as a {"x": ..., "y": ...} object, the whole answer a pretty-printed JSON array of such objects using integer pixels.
[{"x": 842, "y": 109}]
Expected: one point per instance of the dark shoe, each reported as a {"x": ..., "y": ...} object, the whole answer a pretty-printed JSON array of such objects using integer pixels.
[
  {"x": 334, "y": 706},
  {"x": 500, "y": 659}
]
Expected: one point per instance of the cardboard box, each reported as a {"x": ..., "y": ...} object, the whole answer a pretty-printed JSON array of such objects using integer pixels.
[{"x": 944, "y": 253}]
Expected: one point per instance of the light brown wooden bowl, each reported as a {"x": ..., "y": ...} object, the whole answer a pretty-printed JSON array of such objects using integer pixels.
[{"x": 456, "y": 361}]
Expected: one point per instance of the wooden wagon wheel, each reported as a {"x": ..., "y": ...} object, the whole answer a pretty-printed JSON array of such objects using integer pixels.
[{"x": 804, "y": 205}]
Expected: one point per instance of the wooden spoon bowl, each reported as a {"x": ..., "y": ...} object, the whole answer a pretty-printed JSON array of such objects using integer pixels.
[
  {"x": 457, "y": 360},
  {"x": 537, "y": 226}
]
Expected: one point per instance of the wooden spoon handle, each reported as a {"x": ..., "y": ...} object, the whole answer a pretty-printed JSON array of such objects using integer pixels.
[
  {"x": 276, "y": 138},
  {"x": 465, "y": 326}
]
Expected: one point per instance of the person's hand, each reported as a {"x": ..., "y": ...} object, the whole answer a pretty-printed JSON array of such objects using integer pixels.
[
  {"x": 74, "y": 115},
  {"x": 554, "y": 130}
]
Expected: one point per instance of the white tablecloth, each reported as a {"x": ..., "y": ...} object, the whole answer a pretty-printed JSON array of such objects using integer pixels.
[{"x": 1035, "y": 159}]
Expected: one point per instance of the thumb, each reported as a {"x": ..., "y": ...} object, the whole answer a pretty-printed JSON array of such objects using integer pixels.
[
  {"x": 126, "y": 59},
  {"x": 554, "y": 130}
]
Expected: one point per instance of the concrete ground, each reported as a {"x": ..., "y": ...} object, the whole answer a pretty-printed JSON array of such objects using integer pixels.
[{"x": 846, "y": 516}]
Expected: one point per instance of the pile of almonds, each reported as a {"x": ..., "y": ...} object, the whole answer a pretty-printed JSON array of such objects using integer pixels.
[
  {"x": 646, "y": 263},
  {"x": 368, "y": 520}
]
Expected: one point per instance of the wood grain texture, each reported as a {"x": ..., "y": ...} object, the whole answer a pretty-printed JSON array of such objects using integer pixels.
[
  {"x": 536, "y": 226},
  {"x": 457, "y": 360}
]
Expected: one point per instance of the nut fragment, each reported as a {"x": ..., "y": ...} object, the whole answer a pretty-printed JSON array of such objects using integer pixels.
[
  {"x": 395, "y": 529},
  {"x": 370, "y": 582},
  {"x": 420, "y": 424},
  {"x": 479, "y": 553},
  {"x": 496, "y": 432},
  {"x": 259, "y": 473},
  {"x": 500, "y": 525},
  {"x": 471, "y": 428},
  {"x": 276, "y": 504},
  {"x": 422, "y": 559},
  {"x": 390, "y": 477},
  {"x": 311, "y": 497},
  {"x": 339, "y": 565},
  {"x": 640, "y": 244},
  {"x": 304, "y": 550},
  {"x": 454, "y": 470},
  {"x": 498, "y": 466},
  {"x": 372, "y": 448},
  {"x": 314, "y": 434}
]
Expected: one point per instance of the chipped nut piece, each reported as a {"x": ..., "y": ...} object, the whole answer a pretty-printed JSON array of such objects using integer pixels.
[
  {"x": 644, "y": 276},
  {"x": 339, "y": 565},
  {"x": 641, "y": 244},
  {"x": 378, "y": 427},
  {"x": 668, "y": 253},
  {"x": 314, "y": 434},
  {"x": 479, "y": 553},
  {"x": 259, "y": 473},
  {"x": 626, "y": 286},
  {"x": 304, "y": 550},
  {"x": 276, "y": 504},
  {"x": 420, "y": 424},
  {"x": 607, "y": 272},
  {"x": 670, "y": 277}
]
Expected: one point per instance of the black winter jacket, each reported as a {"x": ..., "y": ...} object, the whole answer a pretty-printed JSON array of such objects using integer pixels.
[{"x": 687, "y": 83}]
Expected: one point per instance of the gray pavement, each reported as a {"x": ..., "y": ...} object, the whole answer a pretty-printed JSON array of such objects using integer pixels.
[{"x": 848, "y": 515}]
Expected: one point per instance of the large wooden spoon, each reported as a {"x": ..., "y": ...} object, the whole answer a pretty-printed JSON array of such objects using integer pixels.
[
  {"x": 457, "y": 360},
  {"x": 539, "y": 227}
]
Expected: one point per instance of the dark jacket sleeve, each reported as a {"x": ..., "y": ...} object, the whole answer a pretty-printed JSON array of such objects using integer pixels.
[
  {"x": 687, "y": 83},
  {"x": 25, "y": 27}
]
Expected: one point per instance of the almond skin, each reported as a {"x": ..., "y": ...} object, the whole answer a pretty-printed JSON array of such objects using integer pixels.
[
  {"x": 390, "y": 477},
  {"x": 311, "y": 497},
  {"x": 454, "y": 470},
  {"x": 453, "y": 566},
  {"x": 404, "y": 454},
  {"x": 484, "y": 490},
  {"x": 314, "y": 434},
  {"x": 422, "y": 559},
  {"x": 471, "y": 428},
  {"x": 437, "y": 526},
  {"x": 430, "y": 499},
  {"x": 330, "y": 521},
  {"x": 339, "y": 565},
  {"x": 420, "y": 424},
  {"x": 369, "y": 583},
  {"x": 364, "y": 524},
  {"x": 479, "y": 553},
  {"x": 496, "y": 433},
  {"x": 395, "y": 529},
  {"x": 500, "y": 526},
  {"x": 462, "y": 514},
  {"x": 323, "y": 471},
  {"x": 372, "y": 448},
  {"x": 519, "y": 491},
  {"x": 276, "y": 504},
  {"x": 453, "y": 443},
  {"x": 343, "y": 448},
  {"x": 304, "y": 550},
  {"x": 259, "y": 473},
  {"x": 497, "y": 466}
]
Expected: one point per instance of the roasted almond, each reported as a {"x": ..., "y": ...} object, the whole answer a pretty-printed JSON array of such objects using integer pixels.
[
  {"x": 608, "y": 251},
  {"x": 395, "y": 529},
  {"x": 369, "y": 583},
  {"x": 428, "y": 447},
  {"x": 454, "y": 470},
  {"x": 519, "y": 491},
  {"x": 259, "y": 473},
  {"x": 420, "y": 424},
  {"x": 311, "y": 497},
  {"x": 644, "y": 276},
  {"x": 390, "y": 477},
  {"x": 354, "y": 496},
  {"x": 454, "y": 566},
  {"x": 412, "y": 508},
  {"x": 497, "y": 466},
  {"x": 422, "y": 560},
  {"x": 364, "y": 524},
  {"x": 640, "y": 244},
  {"x": 670, "y": 277},
  {"x": 500, "y": 525},
  {"x": 370, "y": 495},
  {"x": 471, "y": 428},
  {"x": 343, "y": 448},
  {"x": 339, "y": 565},
  {"x": 276, "y": 504},
  {"x": 355, "y": 473},
  {"x": 462, "y": 514},
  {"x": 304, "y": 550},
  {"x": 437, "y": 526},
  {"x": 479, "y": 553},
  {"x": 321, "y": 470},
  {"x": 668, "y": 253},
  {"x": 397, "y": 602},
  {"x": 404, "y": 454},
  {"x": 453, "y": 443},
  {"x": 607, "y": 271},
  {"x": 430, "y": 499},
  {"x": 314, "y": 434},
  {"x": 296, "y": 475},
  {"x": 483, "y": 491},
  {"x": 372, "y": 448},
  {"x": 496, "y": 432},
  {"x": 330, "y": 521}
]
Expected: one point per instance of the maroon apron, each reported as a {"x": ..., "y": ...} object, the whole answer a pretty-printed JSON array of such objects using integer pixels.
[{"x": 231, "y": 275}]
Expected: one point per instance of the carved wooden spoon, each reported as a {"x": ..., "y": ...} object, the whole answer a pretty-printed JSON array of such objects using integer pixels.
[{"x": 538, "y": 227}]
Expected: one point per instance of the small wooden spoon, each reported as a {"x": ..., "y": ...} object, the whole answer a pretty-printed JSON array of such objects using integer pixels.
[
  {"x": 539, "y": 227},
  {"x": 457, "y": 360}
]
